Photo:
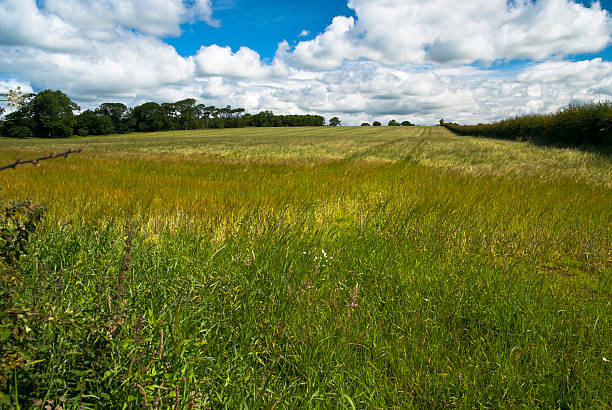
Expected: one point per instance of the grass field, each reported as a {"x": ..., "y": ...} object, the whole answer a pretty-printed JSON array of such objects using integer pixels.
[{"x": 391, "y": 267}]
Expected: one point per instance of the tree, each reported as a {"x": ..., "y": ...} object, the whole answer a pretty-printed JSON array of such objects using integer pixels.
[
  {"x": 334, "y": 121},
  {"x": 203, "y": 111},
  {"x": 393, "y": 123},
  {"x": 117, "y": 113},
  {"x": 46, "y": 114},
  {"x": 365, "y": 124},
  {"x": 407, "y": 124},
  {"x": 148, "y": 117},
  {"x": 90, "y": 123},
  {"x": 376, "y": 124},
  {"x": 442, "y": 122}
]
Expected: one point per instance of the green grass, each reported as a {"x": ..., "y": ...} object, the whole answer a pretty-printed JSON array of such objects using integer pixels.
[{"x": 312, "y": 267}]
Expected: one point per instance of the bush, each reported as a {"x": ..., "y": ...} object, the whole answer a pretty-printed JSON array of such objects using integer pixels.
[
  {"x": 18, "y": 131},
  {"x": 578, "y": 125}
]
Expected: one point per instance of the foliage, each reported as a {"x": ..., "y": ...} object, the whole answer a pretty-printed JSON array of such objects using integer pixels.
[
  {"x": 407, "y": 124},
  {"x": 117, "y": 113},
  {"x": 94, "y": 124},
  {"x": 393, "y": 123},
  {"x": 577, "y": 125},
  {"x": 376, "y": 124},
  {"x": 18, "y": 220},
  {"x": 18, "y": 131},
  {"x": 47, "y": 114},
  {"x": 365, "y": 124},
  {"x": 334, "y": 122},
  {"x": 269, "y": 119},
  {"x": 58, "y": 120}
]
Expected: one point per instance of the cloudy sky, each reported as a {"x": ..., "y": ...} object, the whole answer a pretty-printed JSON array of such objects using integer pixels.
[{"x": 361, "y": 60}]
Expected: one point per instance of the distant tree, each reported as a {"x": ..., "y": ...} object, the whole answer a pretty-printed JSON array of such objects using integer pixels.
[
  {"x": 442, "y": 122},
  {"x": 180, "y": 115},
  {"x": 90, "y": 123},
  {"x": 205, "y": 112},
  {"x": 376, "y": 124},
  {"x": 148, "y": 117},
  {"x": 46, "y": 114},
  {"x": 407, "y": 124},
  {"x": 117, "y": 113},
  {"x": 393, "y": 123},
  {"x": 365, "y": 124},
  {"x": 18, "y": 131},
  {"x": 334, "y": 121}
]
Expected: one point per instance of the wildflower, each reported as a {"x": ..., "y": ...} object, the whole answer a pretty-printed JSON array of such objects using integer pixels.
[{"x": 605, "y": 360}]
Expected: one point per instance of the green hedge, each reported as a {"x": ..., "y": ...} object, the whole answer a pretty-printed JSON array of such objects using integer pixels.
[{"x": 579, "y": 125}]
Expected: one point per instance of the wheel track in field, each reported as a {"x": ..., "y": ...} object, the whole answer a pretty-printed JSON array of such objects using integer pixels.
[{"x": 372, "y": 150}]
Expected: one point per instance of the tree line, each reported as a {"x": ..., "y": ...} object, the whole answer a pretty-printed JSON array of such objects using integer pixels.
[
  {"x": 50, "y": 114},
  {"x": 391, "y": 123},
  {"x": 578, "y": 125}
]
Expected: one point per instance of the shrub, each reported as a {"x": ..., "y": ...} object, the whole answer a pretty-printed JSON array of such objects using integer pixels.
[
  {"x": 18, "y": 131},
  {"x": 588, "y": 124}
]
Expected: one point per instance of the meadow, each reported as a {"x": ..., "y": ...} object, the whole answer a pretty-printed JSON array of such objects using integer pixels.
[{"x": 320, "y": 267}]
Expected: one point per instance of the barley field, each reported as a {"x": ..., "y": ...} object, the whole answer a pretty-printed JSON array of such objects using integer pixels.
[{"x": 349, "y": 267}]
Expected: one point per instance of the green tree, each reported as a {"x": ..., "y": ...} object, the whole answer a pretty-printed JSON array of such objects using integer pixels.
[
  {"x": 205, "y": 112},
  {"x": 117, "y": 112},
  {"x": 376, "y": 124},
  {"x": 334, "y": 122},
  {"x": 393, "y": 123},
  {"x": 51, "y": 114},
  {"x": 365, "y": 124},
  {"x": 90, "y": 123},
  {"x": 148, "y": 117}
]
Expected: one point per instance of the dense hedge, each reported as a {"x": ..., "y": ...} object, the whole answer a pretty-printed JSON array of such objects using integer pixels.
[{"x": 579, "y": 125}]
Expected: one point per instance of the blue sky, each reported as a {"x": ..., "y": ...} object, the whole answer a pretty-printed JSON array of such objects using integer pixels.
[
  {"x": 465, "y": 61},
  {"x": 260, "y": 25}
]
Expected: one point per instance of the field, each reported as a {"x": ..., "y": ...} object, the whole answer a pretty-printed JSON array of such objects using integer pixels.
[{"x": 355, "y": 267}]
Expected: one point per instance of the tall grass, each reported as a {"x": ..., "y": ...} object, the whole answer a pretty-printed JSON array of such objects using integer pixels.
[
  {"x": 396, "y": 269},
  {"x": 577, "y": 125}
]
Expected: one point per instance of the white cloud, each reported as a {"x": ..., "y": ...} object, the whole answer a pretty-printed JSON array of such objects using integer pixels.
[
  {"x": 135, "y": 62},
  {"x": 304, "y": 33},
  {"x": 330, "y": 49},
  {"x": 154, "y": 17},
  {"x": 23, "y": 24},
  {"x": 413, "y": 31},
  {"x": 245, "y": 63}
]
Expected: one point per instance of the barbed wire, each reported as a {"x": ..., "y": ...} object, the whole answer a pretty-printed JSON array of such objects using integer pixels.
[{"x": 35, "y": 161}]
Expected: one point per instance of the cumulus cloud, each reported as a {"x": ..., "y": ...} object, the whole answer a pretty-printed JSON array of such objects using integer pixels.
[
  {"x": 154, "y": 17},
  {"x": 412, "y": 31},
  {"x": 245, "y": 63},
  {"x": 136, "y": 62}
]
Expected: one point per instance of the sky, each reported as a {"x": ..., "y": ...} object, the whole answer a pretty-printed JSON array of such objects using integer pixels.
[{"x": 361, "y": 60}]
